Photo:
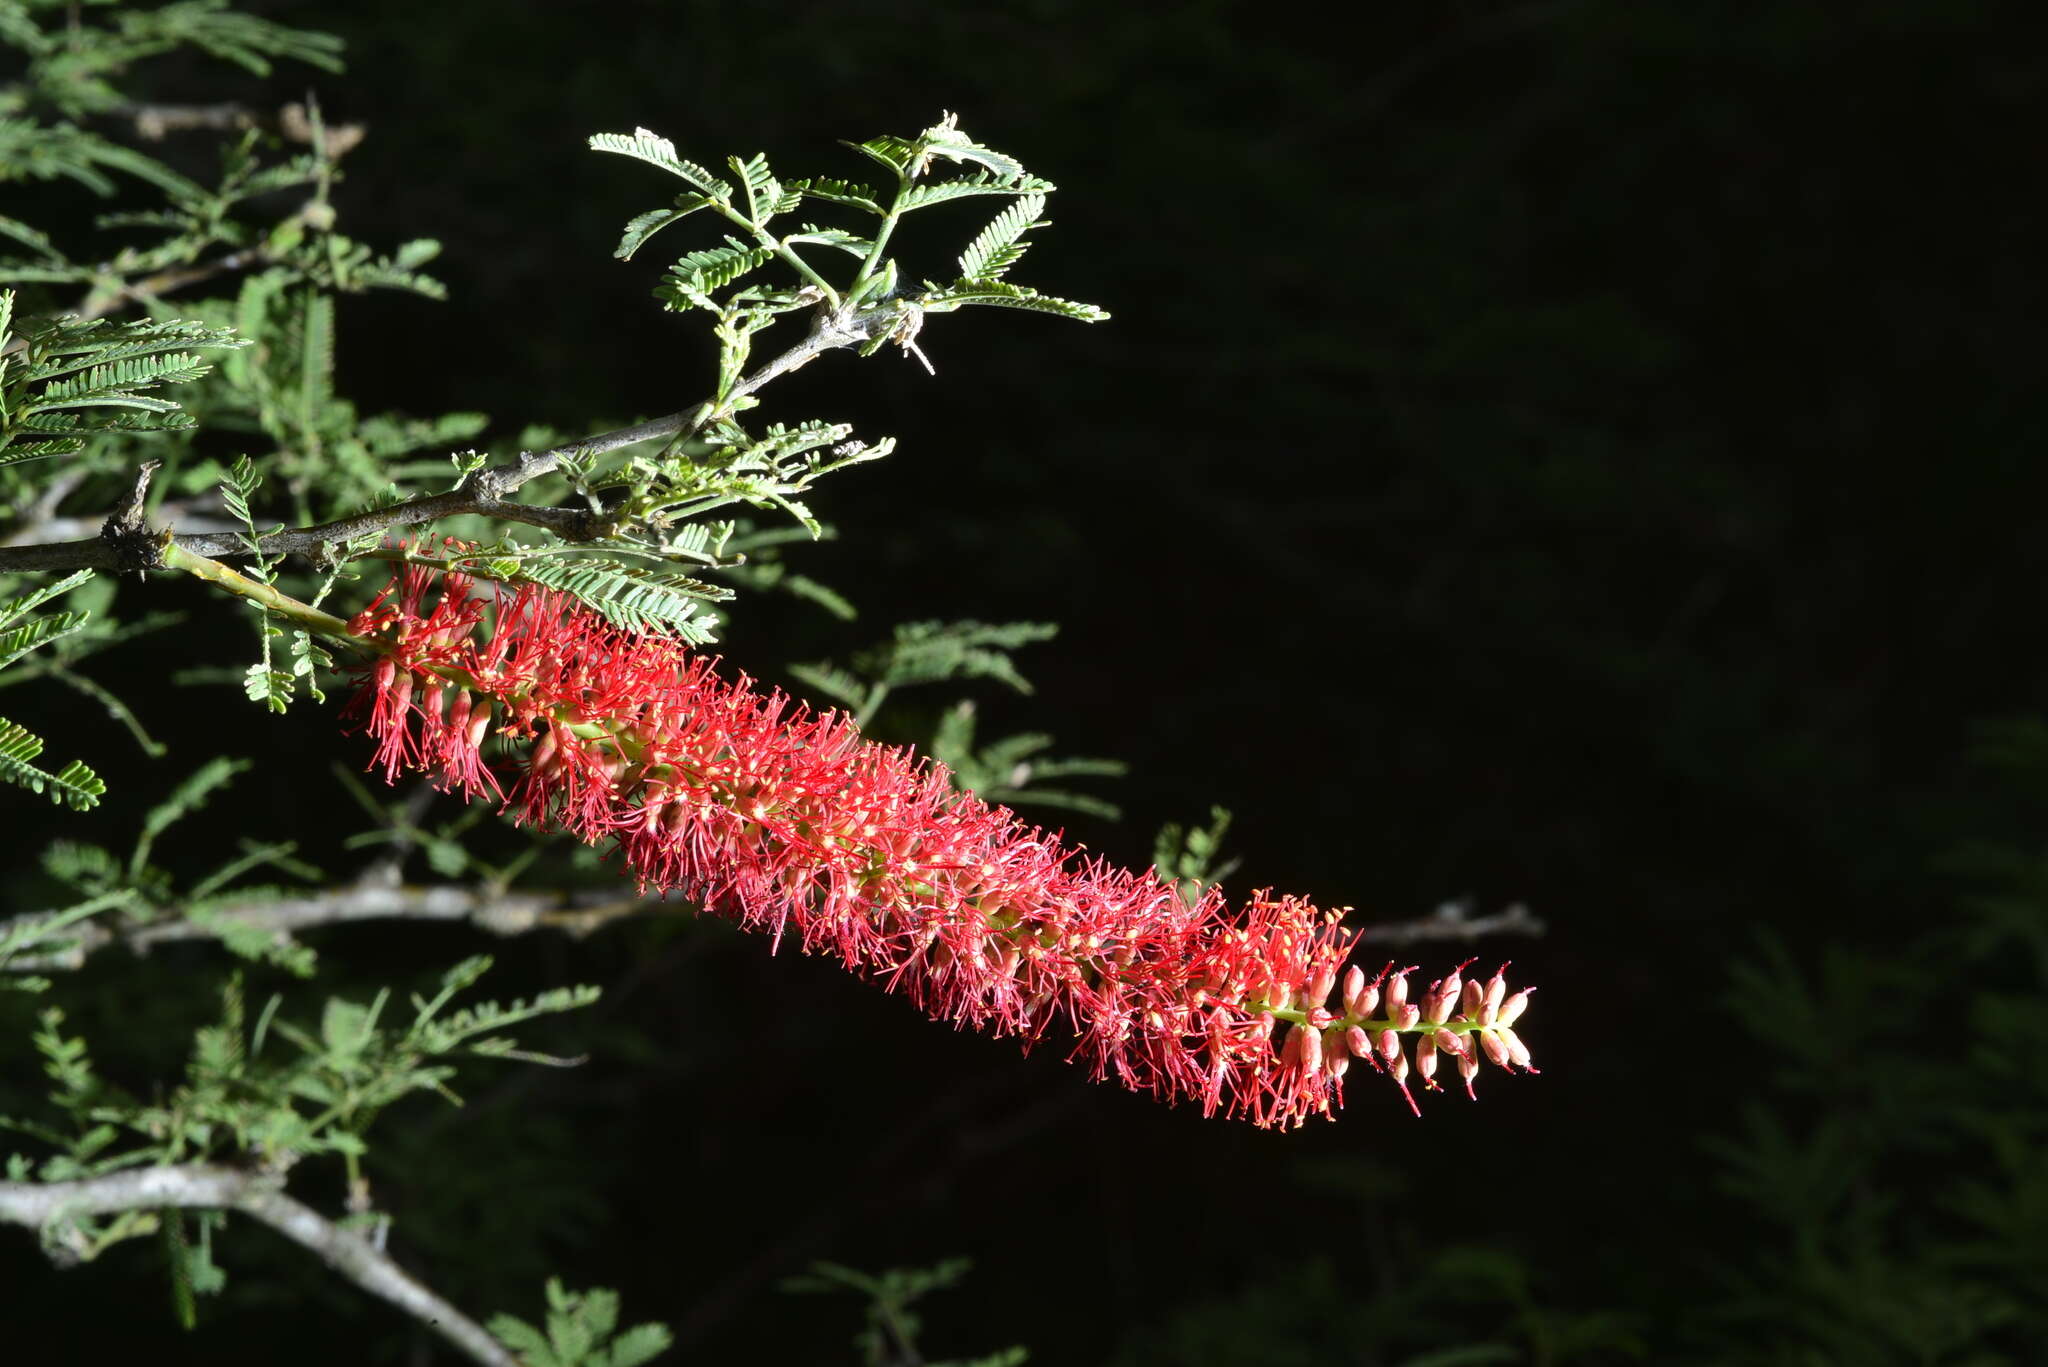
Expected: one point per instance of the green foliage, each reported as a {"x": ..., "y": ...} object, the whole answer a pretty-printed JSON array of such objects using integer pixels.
[
  {"x": 45, "y": 934},
  {"x": 75, "y": 785},
  {"x": 64, "y": 380},
  {"x": 1437, "y": 1298},
  {"x": 1014, "y": 771},
  {"x": 892, "y": 1328},
  {"x": 20, "y": 632},
  {"x": 264, "y": 682},
  {"x": 275, "y": 1089},
  {"x": 76, "y": 54},
  {"x": 925, "y": 653},
  {"x": 154, "y": 901},
  {"x": 634, "y": 597},
  {"x": 1191, "y": 857},
  {"x": 194, "y": 334},
  {"x": 582, "y": 1331},
  {"x": 1897, "y": 1178}
]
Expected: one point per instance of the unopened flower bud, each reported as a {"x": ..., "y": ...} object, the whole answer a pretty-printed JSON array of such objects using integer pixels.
[
  {"x": 1448, "y": 1041},
  {"x": 1443, "y": 995},
  {"x": 1511, "y": 1010},
  {"x": 1496, "y": 1048},
  {"x": 1468, "y": 1068},
  {"x": 1517, "y": 1050},
  {"x": 1425, "y": 1058},
  {"x": 1356, "y": 1003},
  {"x": 1497, "y": 987},
  {"x": 1390, "y": 1045},
  {"x": 1320, "y": 986},
  {"x": 1407, "y": 1016},
  {"x": 1397, "y": 991},
  {"x": 1359, "y": 1042},
  {"x": 1311, "y": 1048},
  {"x": 1474, "y": 998}
]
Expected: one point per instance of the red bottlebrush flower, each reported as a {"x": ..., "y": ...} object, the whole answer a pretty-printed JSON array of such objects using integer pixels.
[{"x": 788, "y": 822}]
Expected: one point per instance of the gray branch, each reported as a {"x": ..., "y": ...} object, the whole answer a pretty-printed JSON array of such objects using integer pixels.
[
  {"x": 484, "y": 493},
  {"x": 1454, "y": 921},
  {"x": 497, "y": 911},
  {"x": 50, "y": 1207}
]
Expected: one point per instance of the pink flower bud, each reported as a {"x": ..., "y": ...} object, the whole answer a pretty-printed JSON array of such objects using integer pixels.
[
  {"x": 1448, "y": 1041},
  {"x": 1407, "y": 1016},
  {"x": 1511, "y": 1010},
  {"x": 1496, "y": 1048},
  {"x": 1399, "y": 1069},
  {"x": 1397, "y": 992},
  {"x": 1320, "y": 987},
  {"x": 1443, "y": 995},
  {"x": 1390, "y": 1045},
  {"x": 1357, "y": 1005},
  {"x": 1359, "y": 1043},
  {"x": 1468, "y": 1068},
  {"x": 1474, "y": 998},
  {"x": 1311, "y": 1048},
  {"x": 1516, "y": 1049},
  {"x": 1497, "y": 987},
  {"x": 1425, "y": 1059}
]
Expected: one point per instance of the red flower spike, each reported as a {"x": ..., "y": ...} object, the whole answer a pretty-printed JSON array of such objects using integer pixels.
[{"x": 789, "y": 823}]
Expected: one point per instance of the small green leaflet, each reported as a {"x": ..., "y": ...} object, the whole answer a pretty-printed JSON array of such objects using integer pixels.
[
  {"x": 659, "y": 151},
  {"x": 76, "y": 786}
]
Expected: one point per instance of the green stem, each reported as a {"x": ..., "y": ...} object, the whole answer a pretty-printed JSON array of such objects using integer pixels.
[
  {"x": 776, "y": 245},
  {"x": 874, "y": 257},
  {"x": 176, "y": 557},
  {"x": 1373, "y": 1027}
]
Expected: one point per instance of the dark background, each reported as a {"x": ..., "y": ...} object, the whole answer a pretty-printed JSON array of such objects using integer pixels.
[{"x": 1583, "y": 453}]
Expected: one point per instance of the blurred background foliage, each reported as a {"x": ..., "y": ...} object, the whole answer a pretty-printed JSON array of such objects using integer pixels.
[{"x": 1583, "y": 453}]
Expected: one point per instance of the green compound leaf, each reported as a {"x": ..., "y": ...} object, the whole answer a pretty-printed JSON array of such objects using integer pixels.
[
  {"x": 833, "y": 191},
  {"x": 693, "y": 277},
  {"x": 643, "y": 226},
  {"x": 980, "y": 183},
  {"x": 75, "y": 785},
  {"x": 946, "y": 298},
  {"x": 634, "y": 597},
  {"x": 996, "y": 248},
  {"x": 852, "y": 243},
  {"x": 20, "y": 633},
  {"x": 659, "y": 151},
  {"x": 944, "y": 139}
]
